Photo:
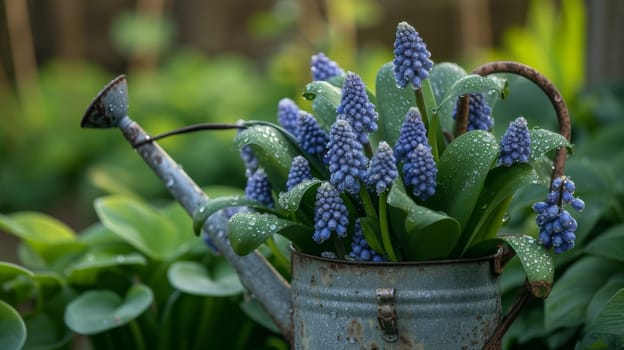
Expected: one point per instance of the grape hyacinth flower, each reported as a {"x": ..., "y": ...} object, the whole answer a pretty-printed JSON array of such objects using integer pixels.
[
  {"x": 311, "y": 136},
  {"x": 347, "y": 162},
  {"x": 299, "y": 171},
  {"x": 330, "y": 214},
  {"x": 420, "y": 172},
  {"x": 556, "y": 226},
  {"x": 355, "y": 107},
  {"x": 288, "y": 115},
  {"x": 411, "y": 57},
  {"x": 515, "y": 143},
  {"x": 360, "y": 250},
  {"x": 411, "y": 135},
  {"x": 383, "y": 169},
  {"x": 323, "y": 68},
  {"x": 479, "y": 113},
  {"x": 259, "y": 189}
]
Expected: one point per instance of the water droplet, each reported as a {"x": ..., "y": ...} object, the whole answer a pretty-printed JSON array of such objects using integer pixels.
[{"x": 505, "y": 218}]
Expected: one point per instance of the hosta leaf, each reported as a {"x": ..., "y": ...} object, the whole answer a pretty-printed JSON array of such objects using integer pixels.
[
  {"x": 9, "y": 272},
  {"x": 544, "y": 141},
  {"x": 602, "y": 297},
  {"x": 96, "y": 311},
  {"x": 536, "y": 262},
  {"x": 428, "y": 234},
  {"x": 47, "y": 331},
  {"x": 608, "y": 244},
  {"x": 86, "y": 269},
  {"x": 291, "y": 200},
  {"x": 193, "y": 278},
  {"x": 12, "y": 328},
  {"x": 325, "y": 98},
  {"x": 215, "y": 204},
  {"x": 442, "y": 76},
  {"x": 273, "y": 150},
  {"x": 462, "y": 172},
  {"x": 248, "y": 230},
  {"x": 609, "y": 321},
  {"x": 392, "y": 104}
]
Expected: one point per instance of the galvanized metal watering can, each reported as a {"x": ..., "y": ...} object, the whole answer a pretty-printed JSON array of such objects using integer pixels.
[{"x": 340, "y": 304}]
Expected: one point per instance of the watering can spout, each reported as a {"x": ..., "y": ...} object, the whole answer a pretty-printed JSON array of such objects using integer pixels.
[{"x": 109, "y": 109}]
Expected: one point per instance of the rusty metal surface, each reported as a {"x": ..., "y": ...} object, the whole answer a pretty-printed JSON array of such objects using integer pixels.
[{"x": 437, "y": 305}]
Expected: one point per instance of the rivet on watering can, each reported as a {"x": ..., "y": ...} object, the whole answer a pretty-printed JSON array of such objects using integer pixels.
[{"x": 386, "y": 314}]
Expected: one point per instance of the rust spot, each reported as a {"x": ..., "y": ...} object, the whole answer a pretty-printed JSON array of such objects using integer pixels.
[
  {"x": 313, "y": 281},
  {"x": 405, "y": 342},
  {"x": 373, "y": 346},
  {"x": 354, "y": 330}
]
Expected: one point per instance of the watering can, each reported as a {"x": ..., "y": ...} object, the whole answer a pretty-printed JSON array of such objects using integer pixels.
[{"x": 335, "y": 304}]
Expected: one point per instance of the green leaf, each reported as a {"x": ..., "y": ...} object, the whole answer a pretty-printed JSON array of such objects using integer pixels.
[
  {"x": 256, "y": 312},
  {"x": 392, "y": 104},
  {"x": 428, "y": 234},
  {"x": 370, "y": 229},
  {"x": 601, "y": 341},
  {"x": 12, "y": 328},
  {"x": 608, "y": 244},
  {"x": 442, "y": 76},
  {"x": 469, "y": 84},
  {"x": 273, "y": 151},
  {"x": 291, "y": 200},
  {"x": 500, "y": 185},
  {"x": 50, "y": 284},
  {"x": 544, "y": 141},
  {"x": 96, "y": 311},
  {"x": 193, "y": 278},
  {"x": 325, "y": 99},
  {"x": 46, "y": 332},
  {"x": 215, "y": 204},
  {"x": 9, "y": 274},
  {"x": 609, "y": 321},
  {"x": 536, "y": 262},
  {"x": 574, "y": 290},
  {"x": 462, "y": 172},
  {"x": 248, "y": 230},
  {"x": 602, "y": 297},
  {"x": 86, "y": 269},
  {"x": 142, "y": 226}
]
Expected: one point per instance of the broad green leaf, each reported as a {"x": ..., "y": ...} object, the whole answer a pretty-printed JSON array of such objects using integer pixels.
[
  {"x": 609, "y": 321},
  {"x": 602, "y": 297},
  {"x": 608, "y": 244},
  {"x": 442, "y": 76},
  {"x": 544, "y": 141},
  {"x": 86, "y": 269},
  {"x": 46, "y": 332},
  {"x": 392, "y": 104},
  {"x": 12, "y": 328},
  {"x": 428, "y": 234},
  {"x": 247, "y": 231},
  {"x": 536, "y": 262},
  {"x": 142, "y": 226},
  {"x": 567, "y": 304},
  {"x": 500, "y": 185},
  {"x": 601, "y": 341},
  {"x": 469, "y": 84},
  {"x": 96, "y": 311},
  {"x": 9, "y": 273},
  {"x": 215, "y": 204},
  {"x": 98, "y": 236},
  {"x": 273, "y": 150},
  {"x": 193, "y": 278},
  {"x": 370, "y": 229},
  {"x": 49, "y": 284},
  {"x": 325, "y": 99},
  {"x": 291, "y": 200},
  {"x": 462, "y": 172}
]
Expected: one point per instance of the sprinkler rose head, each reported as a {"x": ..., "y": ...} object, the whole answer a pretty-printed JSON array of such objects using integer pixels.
[{"x": 109, "y": 107}]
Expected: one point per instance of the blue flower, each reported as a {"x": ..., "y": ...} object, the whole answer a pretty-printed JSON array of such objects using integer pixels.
[
  {"x": 259, "y": 189},
  {"x": 330, "y": 214},
  {"x": 355, "y": 107},
  {"x": 557, "y": 227},
  {"x": 311, "y": 136},
  {"x": 347, "y": 162},
  {"x": 299, "y": 171},
  {"x": 420, "y": 172},
  {"x": 479, "y": 113},
  {"x": 411, "y": 135},
  {"x": 515, "y": 143},
  {"x": 288, "y": 115},
  {"x": 383, "y": 169},
  {"x": 360, "y": 250},
  {"x": 323, "y": 68},
  {"x": 411, "y": 57}
]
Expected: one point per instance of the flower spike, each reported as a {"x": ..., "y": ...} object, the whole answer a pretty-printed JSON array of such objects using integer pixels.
[
  {"x": 311, "y": 136},
  {"x": 479, "y": 113},
  {"x": 383, "y": 169},
  {"x": 259, "y": 189},
  {"x": 323, "y": 68},
  {"x": 299, "y": 171},
  {"x": 411, "y": 57},
  {"x": 515, "y": 143},
  {"x": 420, "y": 172},
  {"x": 347, "y": 162},
  {"x": 411, "y": 135},
  {"x": 355, "y": 107},
  {"x": 288, "y": 115},
  {"x": 330, "y": 214},
  {"x": 360, "y": 250}
]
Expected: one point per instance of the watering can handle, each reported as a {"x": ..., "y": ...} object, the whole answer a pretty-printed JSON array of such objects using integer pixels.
[{"x": 565, "y": 128}]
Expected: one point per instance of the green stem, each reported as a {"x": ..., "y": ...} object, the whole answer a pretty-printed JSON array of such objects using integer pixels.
[
  {"x": 137, "y": 336},
  {"x": 207, "y": 317},
  {"x": 383, "y": 227},
  {"x": 368, "y": 150},
  {"x": 369, "y": 208},
  {"x": 430, "y": 125},
  {"x": 341, "y": 252},
  {"x": 422, "y": 107}
]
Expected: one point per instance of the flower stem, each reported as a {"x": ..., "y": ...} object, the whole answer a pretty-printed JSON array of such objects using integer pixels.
[
  {"x": 383, "y": 226},
  {"x": 430, "y": 125},
  {"x": 136, "y": 334},
  {"x": 369, "y": 208},
  {"x": 341, "y": 252},
  {"x": 420, "y": 103}
]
